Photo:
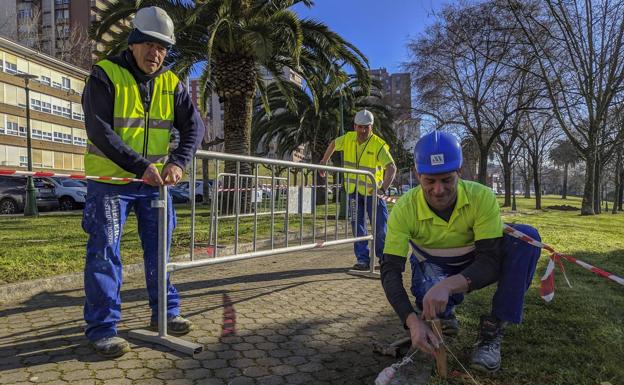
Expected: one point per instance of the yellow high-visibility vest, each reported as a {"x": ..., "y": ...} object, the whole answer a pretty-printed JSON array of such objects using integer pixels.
[
  {"x": 368, "y": 161},
  {"x": 147, "y": 133}
]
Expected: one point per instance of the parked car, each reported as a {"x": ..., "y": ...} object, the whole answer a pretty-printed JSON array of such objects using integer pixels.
[
  {"x": 178, "y": 196},
  {"x": 405, "y": 188},
  {"x": 181, "y": 190},
  {"x": 13, "y": 194},
  {"x": 70, "y": 193}
]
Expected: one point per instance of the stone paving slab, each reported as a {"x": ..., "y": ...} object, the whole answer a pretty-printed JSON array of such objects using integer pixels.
[{"x": 300, "y": 319}]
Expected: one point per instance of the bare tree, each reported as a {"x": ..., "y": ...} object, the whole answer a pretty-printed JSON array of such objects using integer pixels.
[
  {"x": 73, "y": 45},
  {"x": 29, "y": 31},
  {"x": 579, "y": 48},
  {"x": 539, "y": 132},
  {"x": 459, "y": 71},
  {"x": 564, "y": 154}
]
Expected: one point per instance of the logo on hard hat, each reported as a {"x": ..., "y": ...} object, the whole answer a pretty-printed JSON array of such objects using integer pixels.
[{"x": 437, "y": 159}]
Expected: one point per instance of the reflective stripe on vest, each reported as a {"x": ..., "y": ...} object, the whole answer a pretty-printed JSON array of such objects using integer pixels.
[
  {"x": 147, "y": 133},
  {"x": 454, "y": 256},
  {"x": 366, "y": 162}
]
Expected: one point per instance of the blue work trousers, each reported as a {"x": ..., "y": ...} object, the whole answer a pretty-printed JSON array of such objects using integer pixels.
[
  {"x": 358, "y": 225},
  {"x": 106, "y": 210},
  {"x": 518, "y": 267}
]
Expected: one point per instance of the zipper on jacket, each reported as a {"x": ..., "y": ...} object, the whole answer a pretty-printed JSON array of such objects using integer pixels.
[{"x": 146, "y": 134}]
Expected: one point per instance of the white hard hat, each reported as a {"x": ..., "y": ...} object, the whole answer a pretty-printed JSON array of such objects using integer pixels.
[
  {"x": 154, "y": 22},
  {"x": 364, "y": 118}
]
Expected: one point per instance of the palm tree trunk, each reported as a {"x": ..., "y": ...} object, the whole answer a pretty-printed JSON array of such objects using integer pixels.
[{"x": 237, "y": 116}]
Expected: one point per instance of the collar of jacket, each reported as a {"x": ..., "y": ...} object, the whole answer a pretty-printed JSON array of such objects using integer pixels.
[{"x": 126, "y": 60}]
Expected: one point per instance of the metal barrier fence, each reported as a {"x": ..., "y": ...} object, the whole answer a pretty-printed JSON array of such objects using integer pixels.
[{"x": 288, "y": 221}]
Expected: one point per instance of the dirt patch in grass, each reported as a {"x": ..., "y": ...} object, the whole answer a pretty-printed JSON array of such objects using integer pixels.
[{"x": 563, "y": 208}]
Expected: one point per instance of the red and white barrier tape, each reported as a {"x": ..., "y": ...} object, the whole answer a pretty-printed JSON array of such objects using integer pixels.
[
  {"x": 547, "y": 290},
  {"x": 70, "y": 176}
]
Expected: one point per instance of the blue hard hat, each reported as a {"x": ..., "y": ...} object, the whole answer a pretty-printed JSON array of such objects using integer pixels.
[{"x": 437, "y": 153}]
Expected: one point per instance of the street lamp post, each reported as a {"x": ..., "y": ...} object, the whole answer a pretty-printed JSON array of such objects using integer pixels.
[{"x": 30, "y": 209}]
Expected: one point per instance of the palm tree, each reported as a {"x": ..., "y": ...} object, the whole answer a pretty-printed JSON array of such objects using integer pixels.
[
  {"x": 313, "y": 117},
  {"x": 243, "y": 42},
  {"x": 564, "y": 154}
]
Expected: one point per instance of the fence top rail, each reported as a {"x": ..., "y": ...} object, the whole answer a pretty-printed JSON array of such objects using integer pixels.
[{"x": 202, "y": 154}]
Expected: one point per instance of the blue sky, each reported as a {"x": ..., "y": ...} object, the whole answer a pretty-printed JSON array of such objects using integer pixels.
[{"x": 379, "y": 28}]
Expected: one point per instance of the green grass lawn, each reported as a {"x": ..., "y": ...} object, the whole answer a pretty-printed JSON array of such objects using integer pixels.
[{"x": 576, "y": 339}]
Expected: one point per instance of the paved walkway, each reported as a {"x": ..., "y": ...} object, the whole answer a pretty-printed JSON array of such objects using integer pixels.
[{"x": 300, "y": 319}]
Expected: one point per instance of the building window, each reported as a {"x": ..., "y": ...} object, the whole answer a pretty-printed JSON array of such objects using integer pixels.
[
  {"x": 35, "y": 104},
  {"x": 12, "y": 128},
  {"x": 46, "y": 107},
  {"x": 62, "y": 138},
  {"x": 23, "y": 161},
  {"x": 1, "y": 65},
  {"x": 66, "y": 83},
  {"x": 10, "y": 68},
  {"x": 57, "y": 110},
  {"x": 67, "y": 113},
  {"x": 80, "y": 141},
  {"x": 61, "y": 15},
  {"x": 46, "y": 80},
  {"x": 22, "y": 130}
]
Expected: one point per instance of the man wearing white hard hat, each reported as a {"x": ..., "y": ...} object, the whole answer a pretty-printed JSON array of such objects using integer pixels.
[
  {"x": 132, "y": 103},
  {"x": 364, "y": 150}
]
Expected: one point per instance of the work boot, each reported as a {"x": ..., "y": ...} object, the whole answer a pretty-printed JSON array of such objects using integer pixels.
[
  {"x": 360, "y": 266},
  {"x": 111, "y": 347},
  {"x": 176, "y": 326},
  {"x": 487, "y": 353},
  {"x": 450, "y": 325}
]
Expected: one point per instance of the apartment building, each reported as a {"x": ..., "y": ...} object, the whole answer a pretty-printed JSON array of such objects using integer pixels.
[
  {"x": 59, "y": 138},
  {"x": 59, "y": 28},
  {"x": 397, "y": 94}
]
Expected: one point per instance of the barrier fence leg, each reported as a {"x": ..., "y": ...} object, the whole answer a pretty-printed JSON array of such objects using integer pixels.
[{"x": 161, "y": 336}]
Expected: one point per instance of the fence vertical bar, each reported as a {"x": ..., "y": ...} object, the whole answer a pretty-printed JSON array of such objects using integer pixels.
[
  {"x": 337, "y": 197},
  {"x": 216, "y": 213},
  {"x": 287, "y": 204},
  {"x": 162, "y": 261},
  {"x": 313, "y": 203},
  {"x": 301, "y": 194},
  {"x": 373, "y": 253},
  {"x": 326, "y": 203},
  {"x": 348, "y": 212},
  {"x": 236, "y": 205},
  {"x": 192, "y": 183},
  {"x": 272, "y": 206},
  {"x": 255, "y": 206}
]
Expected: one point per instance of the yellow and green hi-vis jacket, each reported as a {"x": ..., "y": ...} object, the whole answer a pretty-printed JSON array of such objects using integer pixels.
[
  {"x": 367, "y": 160},
  {"x": 147, "y": 133}
]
